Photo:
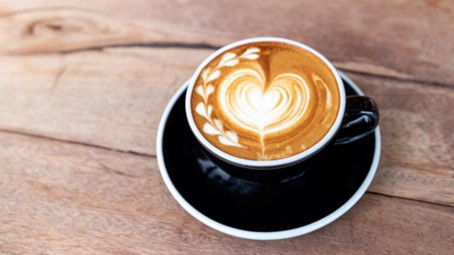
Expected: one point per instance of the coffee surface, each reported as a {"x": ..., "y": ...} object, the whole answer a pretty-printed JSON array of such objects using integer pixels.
[{"x": 265, "y": 101}]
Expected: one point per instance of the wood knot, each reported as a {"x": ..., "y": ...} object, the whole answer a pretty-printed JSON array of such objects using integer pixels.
[
  {"x": 59, "y": 30},
  {"x": 68, "y": 26}
]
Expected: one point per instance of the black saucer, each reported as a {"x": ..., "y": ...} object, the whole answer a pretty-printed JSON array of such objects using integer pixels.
[{"x": 311, "y": 193}]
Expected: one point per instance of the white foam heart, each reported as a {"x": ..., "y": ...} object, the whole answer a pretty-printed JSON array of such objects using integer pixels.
[{"x": 247, "y": 100}]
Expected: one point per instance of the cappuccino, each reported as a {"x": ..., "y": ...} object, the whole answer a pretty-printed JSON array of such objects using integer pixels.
[{"x": 265, "y": 100}]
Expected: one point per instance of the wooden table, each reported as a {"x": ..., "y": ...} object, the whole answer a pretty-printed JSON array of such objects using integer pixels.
[{"x": 83, "y": 85}]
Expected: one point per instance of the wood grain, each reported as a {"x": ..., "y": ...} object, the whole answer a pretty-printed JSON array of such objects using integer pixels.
[
  {"x": 114, "y": 98},
  {"x": 417, "y": 139},
  {"x": 362, "y": 36},
  {"x": 110, "y": 98},
  {"x": 83, "y": 85},
  {"x": 60, "y": 198}
]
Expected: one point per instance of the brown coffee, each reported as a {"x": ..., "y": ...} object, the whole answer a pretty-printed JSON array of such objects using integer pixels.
[{"x": 265, "y": 100}]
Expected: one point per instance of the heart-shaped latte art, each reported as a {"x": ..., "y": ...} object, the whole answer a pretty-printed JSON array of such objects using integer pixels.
[
  {"x": 248, "y": 101},
  {"x": 265, "y": 101}
]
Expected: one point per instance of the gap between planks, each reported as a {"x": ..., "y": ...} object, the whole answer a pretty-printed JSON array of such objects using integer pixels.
[
  {"x": 49, "y": 138},
  {"x": 20, "y": 133}
]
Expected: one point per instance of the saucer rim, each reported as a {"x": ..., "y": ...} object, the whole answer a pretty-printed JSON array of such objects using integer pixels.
[{"x": 263, "y": 235}]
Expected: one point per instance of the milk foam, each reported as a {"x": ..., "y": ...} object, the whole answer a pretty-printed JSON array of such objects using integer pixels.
[{"x": 263, "y": 102}]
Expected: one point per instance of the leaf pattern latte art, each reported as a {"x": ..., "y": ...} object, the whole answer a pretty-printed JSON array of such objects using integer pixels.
[{"x": 214, "y": 126}]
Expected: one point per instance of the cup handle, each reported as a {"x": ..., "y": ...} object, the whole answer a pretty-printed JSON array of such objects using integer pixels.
[{"x": 360, "y": 119}]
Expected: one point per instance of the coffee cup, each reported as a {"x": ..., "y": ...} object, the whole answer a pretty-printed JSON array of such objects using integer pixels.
[{"x": 267, "y": 103}]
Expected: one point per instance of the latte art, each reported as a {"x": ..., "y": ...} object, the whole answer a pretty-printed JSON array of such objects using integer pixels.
[
  {"x": 265, "y": 101},
  {"x": 261, "y": 110}
]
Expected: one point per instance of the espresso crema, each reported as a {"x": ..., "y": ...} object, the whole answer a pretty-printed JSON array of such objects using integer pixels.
[{"x": 265, "y": 101}]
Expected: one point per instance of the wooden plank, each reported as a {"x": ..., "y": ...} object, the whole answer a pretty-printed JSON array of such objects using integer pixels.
[
  {"x": 417, "y": 139},
  {"x": 60, "y": 198},
  {"x": 109, "y": 98},
  {"x": 364, "y": 36},
  {"x": 114, "y": 98}
]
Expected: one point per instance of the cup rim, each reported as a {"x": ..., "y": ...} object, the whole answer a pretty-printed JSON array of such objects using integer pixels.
[
  {"x": 256, "y": 235},
  {"x": 275, "y": 163}
]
